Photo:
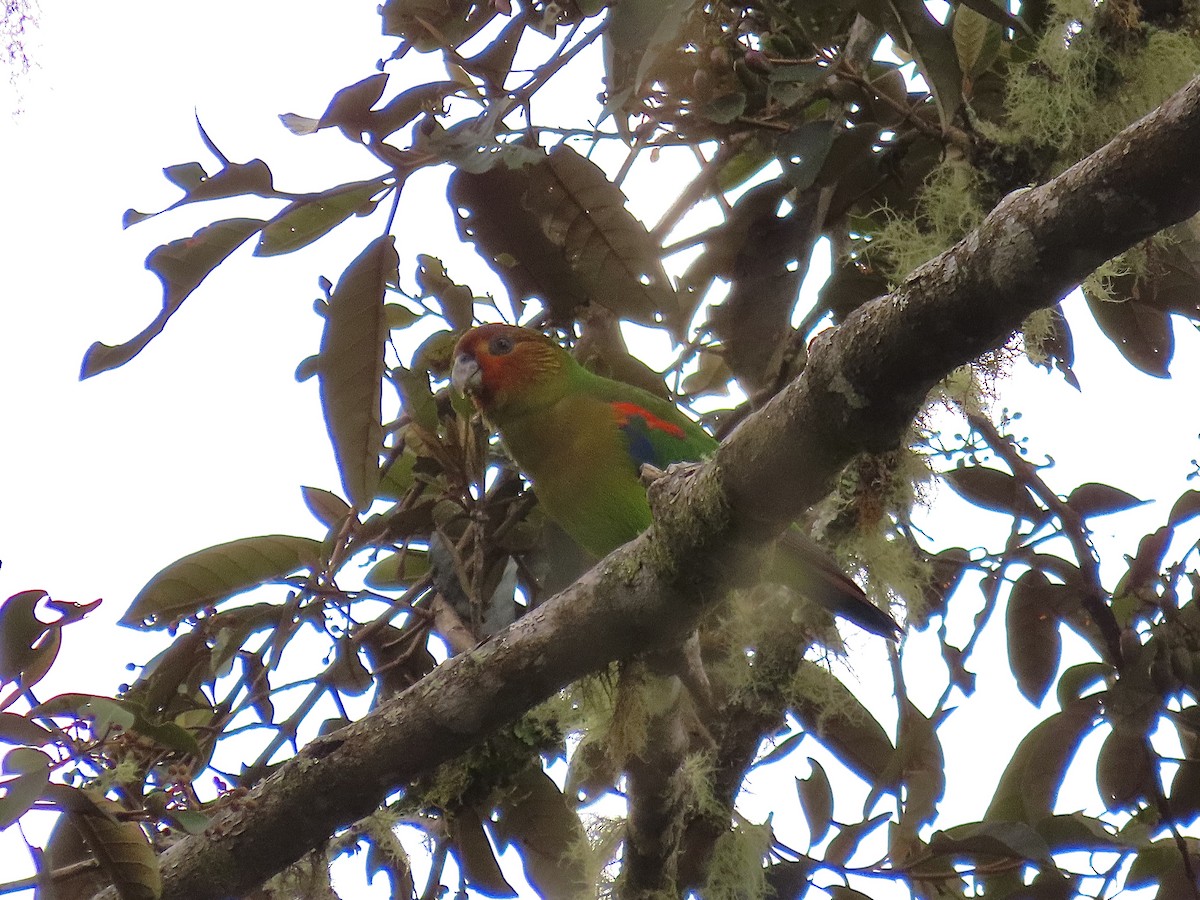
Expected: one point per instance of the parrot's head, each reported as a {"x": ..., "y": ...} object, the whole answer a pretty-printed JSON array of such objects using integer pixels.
[{"x": 507, "y": 370}]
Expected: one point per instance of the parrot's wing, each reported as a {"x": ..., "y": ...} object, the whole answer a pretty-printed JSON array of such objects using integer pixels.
[{"x": 655, "y": 440}]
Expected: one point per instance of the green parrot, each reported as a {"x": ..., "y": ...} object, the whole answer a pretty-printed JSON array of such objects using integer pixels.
[{"x": 581, "y": 440}]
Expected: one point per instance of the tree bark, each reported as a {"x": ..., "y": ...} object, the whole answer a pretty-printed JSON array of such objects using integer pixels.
[{"x": 864, "y": 382}]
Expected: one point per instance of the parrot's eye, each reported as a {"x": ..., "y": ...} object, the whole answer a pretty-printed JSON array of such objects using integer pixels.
[{"x": 499, "y": 346}]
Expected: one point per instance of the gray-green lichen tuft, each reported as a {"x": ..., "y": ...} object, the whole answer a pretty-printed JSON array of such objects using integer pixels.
[{"x": 737, "y": 871}]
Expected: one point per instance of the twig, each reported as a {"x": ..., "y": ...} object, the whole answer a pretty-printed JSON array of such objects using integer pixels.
[{"x": 1073, "y": 529}]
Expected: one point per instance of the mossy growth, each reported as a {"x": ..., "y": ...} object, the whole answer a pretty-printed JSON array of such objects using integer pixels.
[
  {"x": 306, "y": 877},
  {"x": 963, "y": 389},
  {"x": 742, "y": 652},
  {"x": 865, "y": 516},
  {"x": 474, "y": 776},
  {"x": 737, "y": 870},
  {"x": 1094, "y": 70},
  {"x": 948, "y": 208},
  {"x": 695, "y": 780}
]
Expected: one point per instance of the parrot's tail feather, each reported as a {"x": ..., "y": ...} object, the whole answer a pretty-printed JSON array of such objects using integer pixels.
[{"x": 802, "y": 564}]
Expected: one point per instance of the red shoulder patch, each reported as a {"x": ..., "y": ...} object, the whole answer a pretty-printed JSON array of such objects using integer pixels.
[{"x": 625, "y": 411}]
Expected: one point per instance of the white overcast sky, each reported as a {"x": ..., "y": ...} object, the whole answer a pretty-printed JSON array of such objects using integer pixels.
[{"x": 206, "y": 436}]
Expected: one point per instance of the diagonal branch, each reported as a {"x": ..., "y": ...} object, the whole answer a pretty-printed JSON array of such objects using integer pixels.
[{"x": 864, "y": 382}]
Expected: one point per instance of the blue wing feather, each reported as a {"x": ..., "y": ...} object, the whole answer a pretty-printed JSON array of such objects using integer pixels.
[{"x": 656, "y": 440}]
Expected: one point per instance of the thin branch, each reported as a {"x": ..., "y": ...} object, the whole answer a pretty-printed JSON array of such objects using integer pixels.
[{"x": 1074, "y": 529}]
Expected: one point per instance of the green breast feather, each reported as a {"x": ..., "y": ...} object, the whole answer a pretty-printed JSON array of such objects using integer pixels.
[{"x": 584, "y": 453}]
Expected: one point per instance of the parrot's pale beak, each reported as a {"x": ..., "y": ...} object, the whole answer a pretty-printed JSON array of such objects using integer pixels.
[{"x": 467, "y": 377}]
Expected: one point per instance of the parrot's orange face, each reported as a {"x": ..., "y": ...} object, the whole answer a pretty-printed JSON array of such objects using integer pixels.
[{"x": 502, "y": 367}]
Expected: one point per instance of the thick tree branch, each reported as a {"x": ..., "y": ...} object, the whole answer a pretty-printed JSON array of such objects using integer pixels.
[
  {"x": 864, "y": 382},
  {"x": 657, "y": 803}
]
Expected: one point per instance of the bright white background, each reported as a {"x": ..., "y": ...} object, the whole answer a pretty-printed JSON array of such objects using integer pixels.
[{"x": 206, "y": 436}]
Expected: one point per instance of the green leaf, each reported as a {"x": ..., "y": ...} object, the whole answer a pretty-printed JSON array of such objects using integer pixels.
[
  {"x": 1125, "y": 768},
  {"x": 930, "y": 44},
  {"x": 802, "y": 152},
  {"x": 456, "y": 300},
  {"x": 398, "y": 570},
  {"x": 1034, "y": 642},
  {"x": 209, "y": 576},
  {"x": 475, "y": 855},
  {"x": 922, "y": 764},
  {"x": 992, "y": 489},
  {"x": 921, "y": 36},
  {"x": 1185, "y": 508},
  {"x": 15, "y": 729},
  {"x": 418, "y": 400},
  {"x": 436, "y": 354},
  {"x": 181, "y": 266},
  {"x": 845, "y": 843},
  {"x": 434, "y": 24},
  {"x": 300, "y": 125},
  {"x": 234, "y": 180},
  {"x": 724, "y": 109},
  {"x": 170, "y": 735},
  {"x": 1075, "y": 831},
  {"x": 399, "y": 316},
  {"x": 350, "y": 108},
  {"x": 1142, "y": 333},
  {"x": 557, "y": 230},
  {"x": 791, "y": 878},
  {"x": 351, "y": 368},
  {"x": 104, "y": 712},
  {"x": 303, "y": 221},
  {"x": 638, "y": 32},
  {"x": 1030, "y": 782},
  {"x": 997, "y": 12},
  {"x": 536, "y": 817},
  {"x": 816, "y": 800},
  {"x": 22, "y": 637},
  {"x": 122, "y": 849},
  {"x": 841, "y": 892},
  {"x": 583, "y": 214},
  {"x": 389, "y": 858},
  {"x": 1153, "y": 864},
  {"x": 494, "y": 63},
  {"x": 398, "y": 477},
  {"x": 1079, "y": 678},
  {"x": 832, "y": 714},
  {"x": 976, "y": 40},
  {"x": 347, "y": 673},
  {"x": 1094, "y": 499},
  {"x": 712, "y": 376},
  {"x": 31, "y": 773},
  {"x": 806, "y": 73},
  {"x": 327, "y": 508},
  {"x": 1014, "y": 840},
  {"x": 407, "y": 105},
  {"x": 748, "y": 161},
  {"x": 782, "y": 749}
]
